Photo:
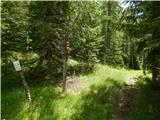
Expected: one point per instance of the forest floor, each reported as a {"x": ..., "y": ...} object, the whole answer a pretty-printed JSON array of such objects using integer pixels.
[
  {"x": 128, "y": 95},
  {"x": 74, "y": 85},
  {"x": 105, "y": 93}
]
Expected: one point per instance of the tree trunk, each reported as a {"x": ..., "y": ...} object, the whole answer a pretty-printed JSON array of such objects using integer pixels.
[
  {"x": 144, "y": 64},
  {"x": 49, "y": 58},
  {"x": 26, "y": 88},
  {"x": 154, "y": 72},
  {"x": 64, "y": 73},
  {"x": 155, "y": 36},
  {"x": 108, "y": 33},
  {"x": 27, "y": 47},
  {"x": 87, "y": 59},
  {"x": 65, "y": 57},
  {"x": 132, "y": 65},
  {"x": 108, "y": 27}
]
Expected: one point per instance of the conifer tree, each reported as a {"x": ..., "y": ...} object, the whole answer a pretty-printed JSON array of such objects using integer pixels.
[
  {"x": 47, "y": 30},
  {"x": 86, "y": 37}
]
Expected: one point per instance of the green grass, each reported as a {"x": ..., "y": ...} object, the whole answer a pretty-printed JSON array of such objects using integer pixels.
[
  {"x": 146, "y": 106},
  {"x": 98, "y": 99}
]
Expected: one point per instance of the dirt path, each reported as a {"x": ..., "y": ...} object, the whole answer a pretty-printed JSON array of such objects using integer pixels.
[
  {"x": 127, "y": 97},
  {"x": 74, "y": 85}
]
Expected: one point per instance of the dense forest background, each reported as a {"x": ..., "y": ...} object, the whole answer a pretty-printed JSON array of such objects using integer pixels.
[
  {"x": 99, "y": 41},
  {"x": 106, "y": 32}
]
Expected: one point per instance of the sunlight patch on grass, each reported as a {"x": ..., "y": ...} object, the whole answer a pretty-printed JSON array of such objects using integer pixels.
[
  {"x": 104, "y": 72},
  {"x": 97, "y": 100}
]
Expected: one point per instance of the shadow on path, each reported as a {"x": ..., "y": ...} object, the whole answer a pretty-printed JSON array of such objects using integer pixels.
[{"x": 99, "y": 103}]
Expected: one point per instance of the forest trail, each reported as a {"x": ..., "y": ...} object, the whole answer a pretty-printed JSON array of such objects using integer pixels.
[
  {"x": 74, "y": 85},
  {"x": 129, "y": 92}
]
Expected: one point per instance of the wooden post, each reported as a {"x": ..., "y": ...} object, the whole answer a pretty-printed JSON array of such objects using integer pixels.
[{"x": 26, "y": 88}]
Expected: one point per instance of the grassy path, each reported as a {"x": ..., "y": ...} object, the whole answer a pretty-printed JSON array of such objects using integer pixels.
[
  {"x": 96, "y": 97},
  {"x": 128, "y": 95}
]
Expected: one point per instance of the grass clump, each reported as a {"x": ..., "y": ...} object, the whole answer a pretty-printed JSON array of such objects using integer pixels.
[{"x": 146, "y": 105}]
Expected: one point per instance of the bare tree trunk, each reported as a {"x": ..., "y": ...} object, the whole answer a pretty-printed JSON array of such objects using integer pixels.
[
  {"x": 108, "y": 33},
  {"x": 87, "y": 59},
  {"x": 49, "y": 58},
  {"x": 27, "y": 47},
  {"x": 65, "y": 57},
  {"x": 64, "y": 73},
  {"x": 26, "y": 88},
  {"x": 144, "y": 64},
  {"x": 132, "y": 54},
  {"x": 154, "y": 71},
  {"x": 108, "y": 27},
  {"x": 155, "y": 36}
]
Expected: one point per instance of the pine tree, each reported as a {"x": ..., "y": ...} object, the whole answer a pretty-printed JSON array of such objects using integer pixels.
[
  {"x": 14, "y": 29},
  {"x": 47, "y": 30},
  {"x": 86, "y": 37},
  {"x": 112, "y": 52},
  {"x": 144, "y": 19}
]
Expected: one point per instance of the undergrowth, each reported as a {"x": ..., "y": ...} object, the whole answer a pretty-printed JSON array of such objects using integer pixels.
[{"x": 98, "y": 99}]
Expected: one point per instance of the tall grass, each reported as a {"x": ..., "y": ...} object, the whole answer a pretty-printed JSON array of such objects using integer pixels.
[
  {"x": 98, "y": 99},
  {"x": 146, "y": 105}
]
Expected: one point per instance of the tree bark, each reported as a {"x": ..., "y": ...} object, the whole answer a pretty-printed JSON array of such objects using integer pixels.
[
  {"x": 144, "y": 64},
  {"x": 132, "y": 53},
  {"x": 64, "y": 73},
  {"x": 108, "y": 32},
  {"x": 155, "y": 36},
  {"x": 65, "y": 57},
  {"x": 87, "y": 59},
  {"x": 154, "y": 72},
  {"x": 49, "y": 58},
  {"x": 27, "y": 47}
]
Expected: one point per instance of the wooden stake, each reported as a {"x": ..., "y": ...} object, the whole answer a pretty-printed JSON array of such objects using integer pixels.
[{"x": 26, "y": 88}]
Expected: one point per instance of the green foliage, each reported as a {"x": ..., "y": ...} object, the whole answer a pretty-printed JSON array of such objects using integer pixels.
[
  {"x": 111, "y": 50},
  {"x": 50, "y": 27},
  {"x": 143, "y": 23},
  {"x": 146, "y": 105},
  {"x": 14, "y": 27},
  {"x": 48, "y": 24},
  {"x": 85, "y": 38},
  {"x": 99, "y": 96},
  {"x": 34, "y": 33}
]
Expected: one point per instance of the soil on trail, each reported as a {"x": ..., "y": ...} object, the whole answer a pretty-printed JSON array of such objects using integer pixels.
[
  {"x": 74, "y": 85},
  {"x": 129, "y": 92}
]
